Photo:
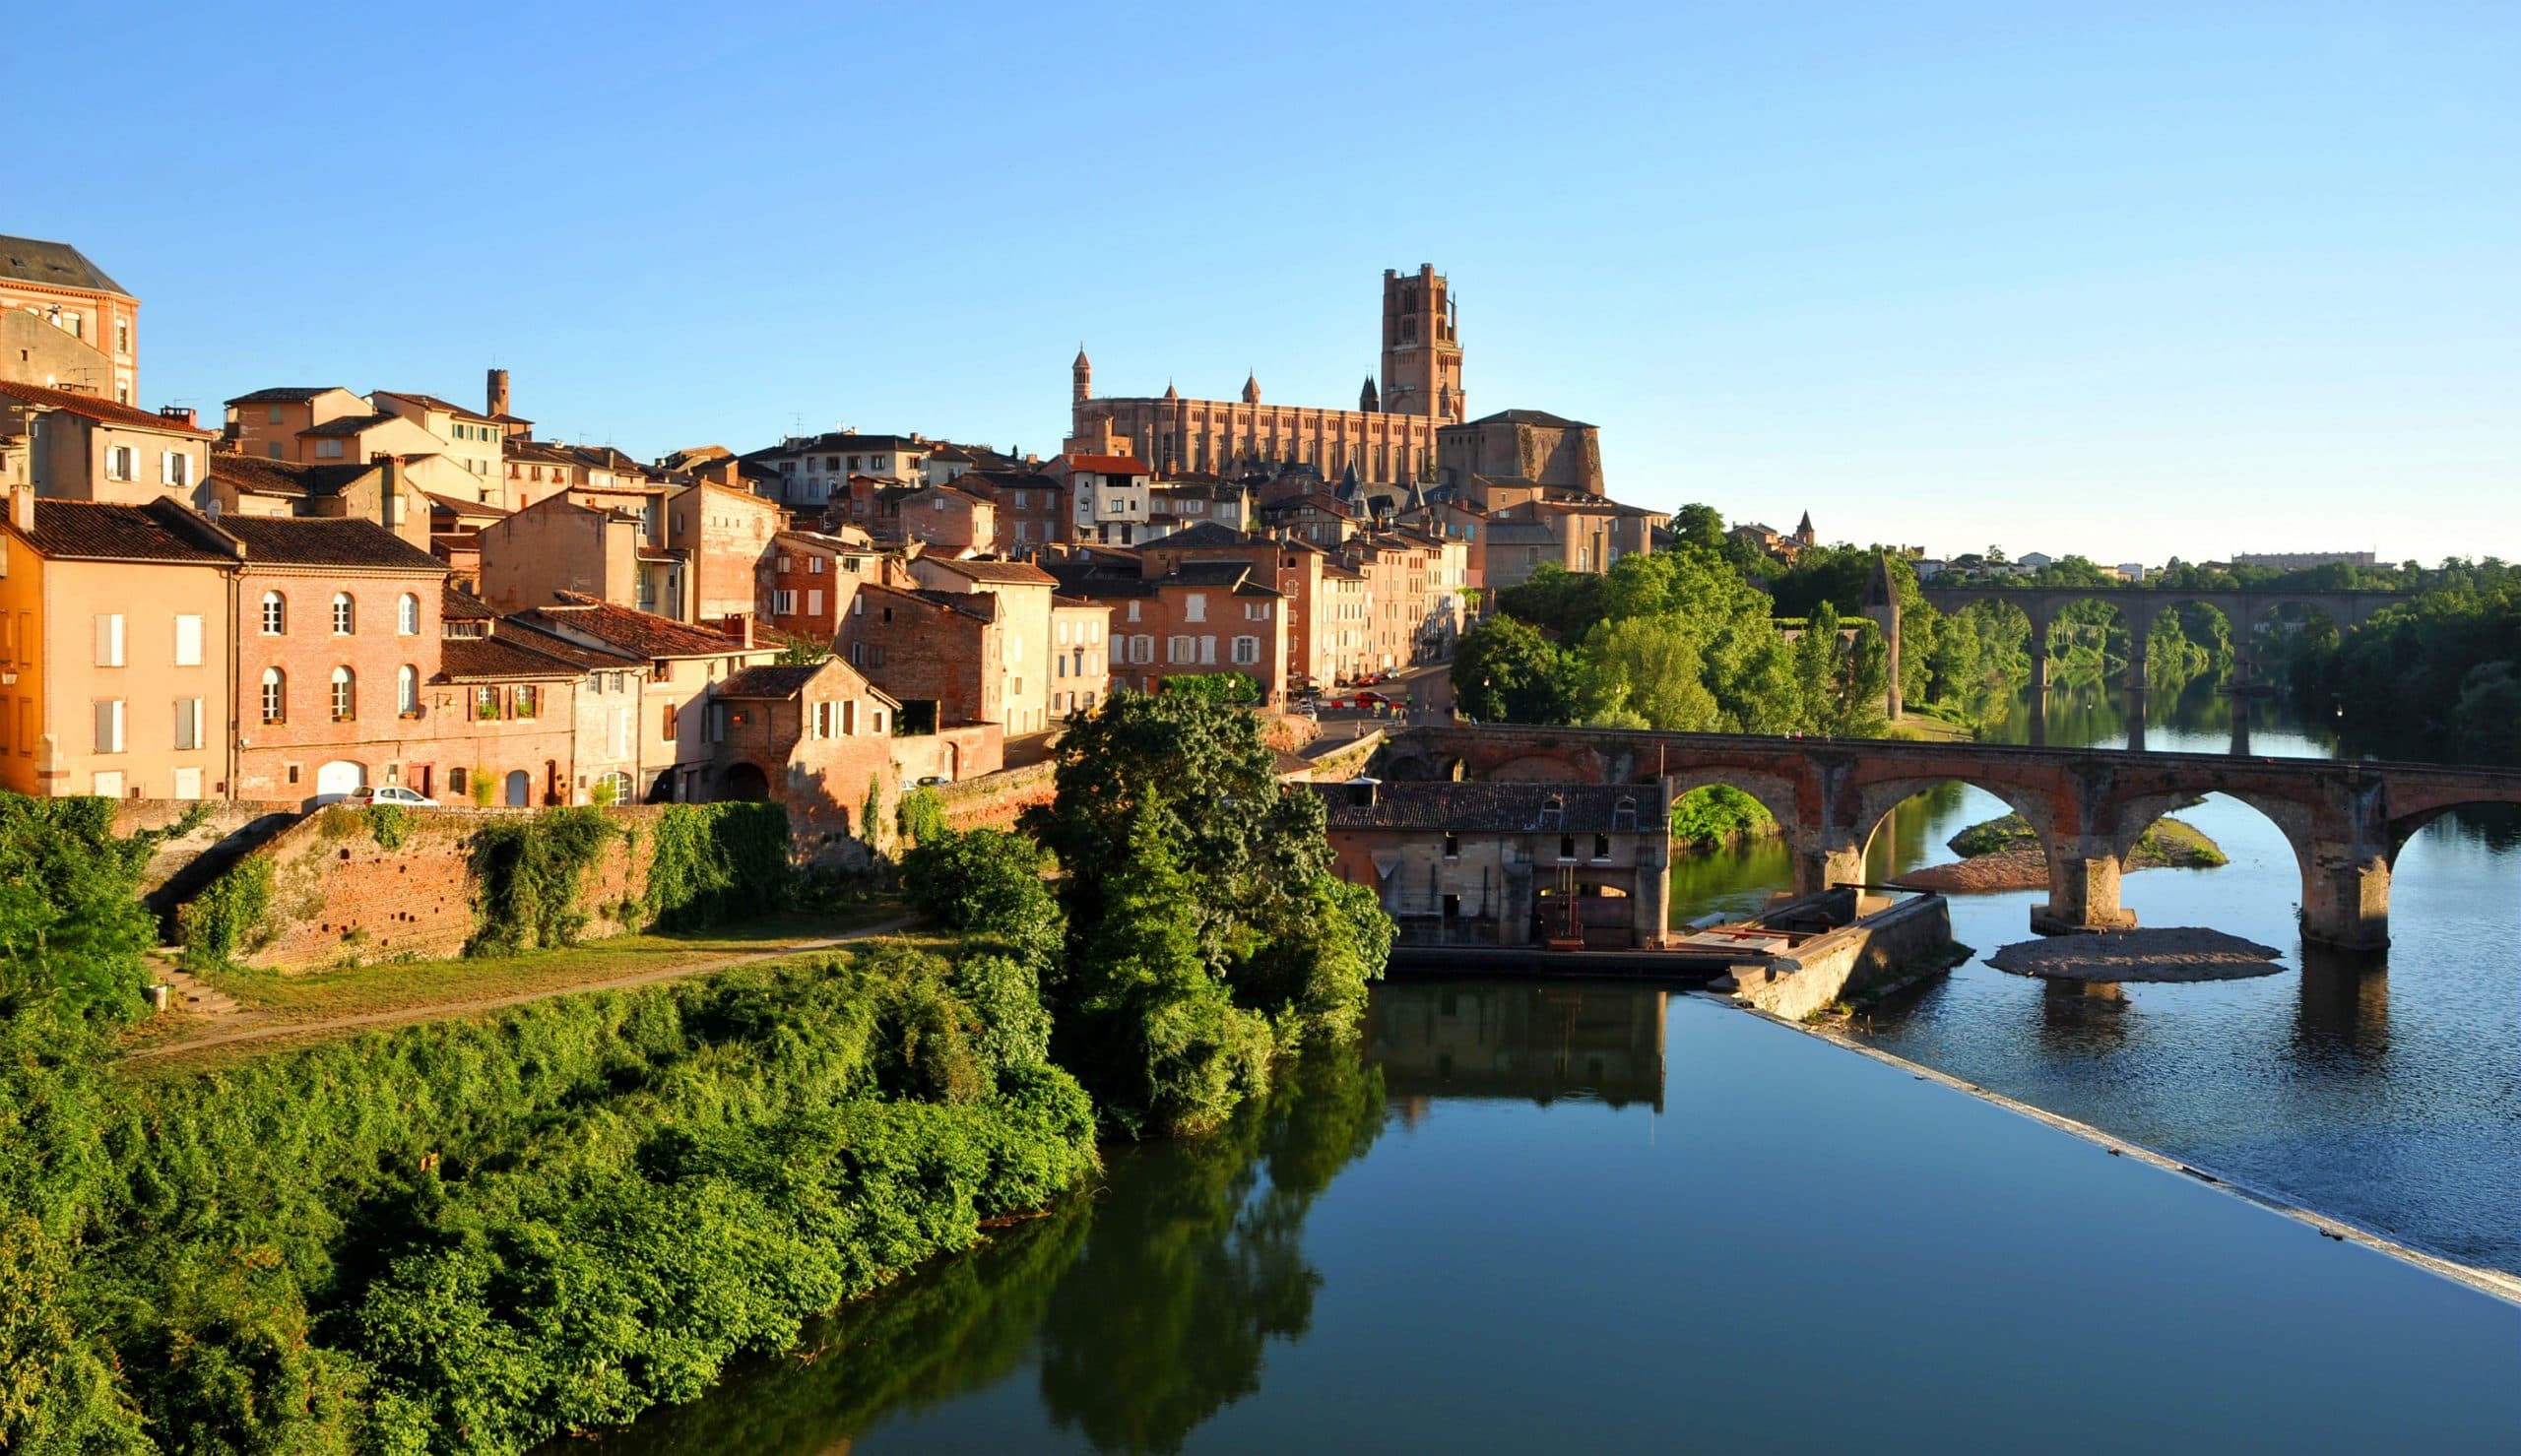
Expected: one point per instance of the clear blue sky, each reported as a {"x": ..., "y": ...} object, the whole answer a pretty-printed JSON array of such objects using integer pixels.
[{"x": 2124, "y": 279}]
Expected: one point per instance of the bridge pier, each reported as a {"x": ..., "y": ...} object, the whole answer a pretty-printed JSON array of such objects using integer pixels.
[
  {"x": 2346, "y": 902},
  {"x": 2241, "y": 720},
  {"x": 2083, "y": 896},
  {"x": 1819, "y": 868},
  {"x": 1651, "y": 919},
  {"x": 2139, "y": 630}
]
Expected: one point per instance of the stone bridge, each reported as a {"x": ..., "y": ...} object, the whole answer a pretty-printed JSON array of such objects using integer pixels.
[
  {"x": 2138, "y": 606},
  {"x": 2345, "y": 820}
]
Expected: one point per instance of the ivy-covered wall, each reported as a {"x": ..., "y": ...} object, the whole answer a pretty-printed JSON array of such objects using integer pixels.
[{"x": 353, "y": 886}]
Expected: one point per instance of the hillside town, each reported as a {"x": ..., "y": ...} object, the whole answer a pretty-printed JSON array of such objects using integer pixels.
[{"x": 328, "y": 593}]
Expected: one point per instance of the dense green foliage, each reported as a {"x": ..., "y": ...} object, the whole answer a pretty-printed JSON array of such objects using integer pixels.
[
  {"x": 987, "y": 885},
  {"x": 475, "y": 1235},
  {"x": 2437, "y": 677},
  {"x": 1216, "y": 688},
  {"x": 716, "y": 864},
  {"x": 1137, "y": 1314},
  {"x": 529, "y": 873},
  {"x": 389, "y": 824},
  {"x": 1678, "y": 640},
  {"x": 1719, "y": 814},
  {"x": 222, "y": 921},
  {"x": 71, "y": 926},
  {"x": 1204, "y": 928},
  {"x": 2165, "y": 841}
]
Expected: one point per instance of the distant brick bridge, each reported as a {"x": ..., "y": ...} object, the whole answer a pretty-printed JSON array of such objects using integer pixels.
[
  {"x": 2138, "y": 606},
  {"x": 2346, "y": 821}
]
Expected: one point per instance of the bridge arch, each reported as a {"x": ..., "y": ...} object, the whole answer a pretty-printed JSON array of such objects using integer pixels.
[
  {"x": 1776, "y": 792},
  {"x": 1878, "y": 801},
  {"x": 2295, "y": 822}
]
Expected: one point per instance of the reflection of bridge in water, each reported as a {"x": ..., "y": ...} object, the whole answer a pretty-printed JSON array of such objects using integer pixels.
[
  {"x": 1517, "y": 1040},
  {"x": 2346, "y": 821},
  {"x": 2138, "y": 607}
]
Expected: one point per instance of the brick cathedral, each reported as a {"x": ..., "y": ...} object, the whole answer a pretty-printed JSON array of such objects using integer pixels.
[{"x": 1389, "y": 437}]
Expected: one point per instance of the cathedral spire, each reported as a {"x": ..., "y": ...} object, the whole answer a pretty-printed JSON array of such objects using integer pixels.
[
  {"x": 1252, "y": 387},
  {"x": 1367, "y": 401}
]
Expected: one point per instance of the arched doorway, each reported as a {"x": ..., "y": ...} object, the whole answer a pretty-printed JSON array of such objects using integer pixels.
[
  {"x": 338, "y": 779},
  {"x": 520, "y": 787},
  {"x": 744, "y": 783}
]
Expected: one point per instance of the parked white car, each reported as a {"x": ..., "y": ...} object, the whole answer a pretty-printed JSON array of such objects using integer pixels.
[{"x": 389, "y": 793}]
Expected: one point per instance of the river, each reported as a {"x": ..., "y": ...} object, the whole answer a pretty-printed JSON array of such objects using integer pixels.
[
  {"x": 2389, "y": 1096},
  {"x": 1584, "y": 1217}
]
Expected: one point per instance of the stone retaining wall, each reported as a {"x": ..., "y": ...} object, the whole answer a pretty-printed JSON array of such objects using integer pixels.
[
  {"x": 340, "y": 898},
  {"x": 993, "y": 800}
]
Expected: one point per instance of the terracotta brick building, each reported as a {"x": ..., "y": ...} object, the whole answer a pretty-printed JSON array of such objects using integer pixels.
[
  {"x": 808, "y": 579},
  {"x": 1389, "y": 436},
  {"x": 937, "y": 653},
  {"x": 813, "y": 737},
  {"x": 338, "y": 640},
  {"x": 683, "y": 661},
  {"x": 1023, "y": 660},
  {"x": 1031, "y": 507},
  {"x": 723, "y": 533}
]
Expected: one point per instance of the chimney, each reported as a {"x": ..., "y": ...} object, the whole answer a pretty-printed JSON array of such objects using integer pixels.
[
  {"x": 498, "y": 394},
  {"x": 22, "y": 508},
  {"x": 180, "y": 413}
]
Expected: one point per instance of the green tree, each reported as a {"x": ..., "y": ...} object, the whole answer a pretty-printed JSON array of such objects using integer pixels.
[
  {"x": 987, "y": 884},
  {"x": 1506, "y": 671},
  {"x": 1155, "y": 1036}
]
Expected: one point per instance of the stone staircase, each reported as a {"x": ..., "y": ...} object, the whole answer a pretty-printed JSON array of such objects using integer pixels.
[{"x": 189, "y": 993}]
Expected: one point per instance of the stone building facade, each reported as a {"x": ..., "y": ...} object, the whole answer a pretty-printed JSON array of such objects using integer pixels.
[
  {"x": 1390, "y": 436},
  {"x": 1565, "y": 866}
]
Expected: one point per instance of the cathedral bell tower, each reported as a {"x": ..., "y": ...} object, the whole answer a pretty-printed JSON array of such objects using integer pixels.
[{"x": 1421, "y": 355}]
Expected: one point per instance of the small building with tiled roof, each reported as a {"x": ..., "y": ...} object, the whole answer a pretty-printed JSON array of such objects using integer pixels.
[
  {"x": 817, "y": 737},
  {"x": 1023, "y": 589},
  {"x": 85, "y": 447},
  {"x": 53, "y": 288}
]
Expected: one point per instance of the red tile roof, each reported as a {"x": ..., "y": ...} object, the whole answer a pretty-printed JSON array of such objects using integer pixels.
[
  {"x": 1010, "y": 573},
  {"x": 334, "y": 541},
  {"x": 1109, "y": 464},
  {"x": 99, "y": 408},
  {"x": 482, "y": 659},
  {"x": 639, "y": 633},
  {"x": 159, "y": 532}
]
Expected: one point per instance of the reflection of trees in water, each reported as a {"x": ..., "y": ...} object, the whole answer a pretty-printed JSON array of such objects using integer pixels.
[
  {"x": 1195, "y": 1261},
  {"x": 1149, "y": 1297},
  {"x": 963, "y": 1324},
  {"x": 1907, "y": 835}
]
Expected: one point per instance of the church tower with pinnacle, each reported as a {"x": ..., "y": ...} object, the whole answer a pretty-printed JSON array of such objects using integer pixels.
[{"x": 1421, "y": 352}]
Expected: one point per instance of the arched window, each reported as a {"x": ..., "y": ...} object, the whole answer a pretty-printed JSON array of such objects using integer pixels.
[
  {"x": 406, "y": 687},
  {"x": 406, "y": 616},
  {"x": 275, "y": 695},
  {"x": 344, "y": 614},
  {"x": 274, "y": 614},
  {"x": 344, "y": 695}
]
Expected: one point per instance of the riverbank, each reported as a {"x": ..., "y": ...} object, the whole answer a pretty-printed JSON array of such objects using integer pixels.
[{"x": 2003, "y": 854}]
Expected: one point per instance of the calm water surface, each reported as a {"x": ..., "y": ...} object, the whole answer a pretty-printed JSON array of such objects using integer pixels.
[
  {"x": 1585, "y": 1218},
  {"x": 1594, "y": 1217},
  {"x": 2386, "y": 1093}
]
